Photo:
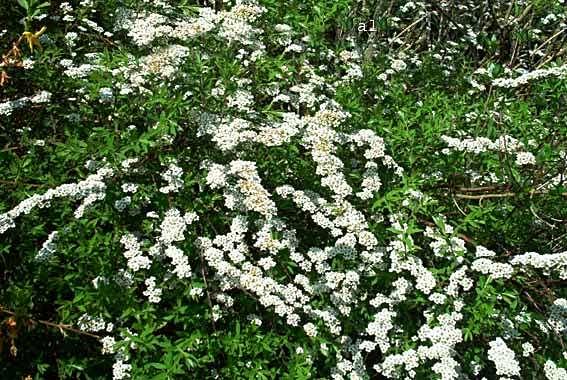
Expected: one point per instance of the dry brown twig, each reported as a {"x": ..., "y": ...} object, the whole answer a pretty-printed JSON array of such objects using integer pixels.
[{"x": 60, "y": 326}]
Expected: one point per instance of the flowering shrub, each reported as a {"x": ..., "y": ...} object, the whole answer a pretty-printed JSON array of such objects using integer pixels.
[{"x": 247, "y": 189}]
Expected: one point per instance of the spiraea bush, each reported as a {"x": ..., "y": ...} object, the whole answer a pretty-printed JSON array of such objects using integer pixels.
[{"x": 283, "y": 190}]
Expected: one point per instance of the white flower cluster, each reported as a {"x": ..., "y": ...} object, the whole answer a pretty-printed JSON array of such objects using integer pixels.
[
  {"x": 196, "y": 292},
  {"x": 89, "y": 323},
  {"x": 310, "y": 329},
  {"x": 172, "y": 229},
  {"x": 505, "y": 143},
  {"x": 228, "y": 255},
  {"x": 482, "y": 251},
  {"x": 108, "y": 345},
  {"x": 320, "y": 138},
  {"x": 247, "y": 193},
  {"x": 558, "y": 316},
  {"x": 527, "y": 349},
  {"x": 164, "y": 63},
  {"x": 174, "y": 178},
  {"x": 241, "y": 100},
  {"x": 444, "y": 245},
  {"x": 89, "y": 190},
  {"x": 504, "y": 359},
  {"x": 48, "y": 247},
  {"x": 556, "y": 262},
  {"x": 146, "y": 27},
  {"x": 525, "y": 158},
  {"x": 389, "y": 366},
  {"x": 152, "y": 292},
  {"x": 402, "y": 260},
  {"x": 552, "y": 372},
  {"x": 7, "y": 107},
  {"x": 121, "y": 370},
  {"x": 492, "y": 268},
  {"x": 443, "y": 338},
  {"x": 106, "y": 95},
  {"x": 133, "y": 253},
  {"x": 265, "y": 241},
  {"x": 276, "y": 134},
  {"x": 129, "y": 187},
  {"x": 235, "y": 24},
  {"x": 80, "y": 71},
  {"x": 193, "y": 27},
  {"x": 376, "y": 150},
  {"x": 558, "y": 71},
  {"x": 180, "y": 261},
  {"x": 380, "y": 327},
  {"x": 122, "y": 203},
  {"x": 230, "y": 133}
]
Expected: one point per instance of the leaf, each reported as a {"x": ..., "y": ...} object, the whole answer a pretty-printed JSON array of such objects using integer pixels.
[
  {"x": 24, "y": 4},
  {"x": 158, "y": 365}
]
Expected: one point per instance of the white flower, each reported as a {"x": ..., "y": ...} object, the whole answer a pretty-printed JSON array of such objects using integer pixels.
[
  {"x": 552, "y": 372},
  {"x": 41, "y": 97},
  {"x": 310, "y": 329},
  {"x": 122, "y": 203},
  {"x": 28, "y": 63},
  {"x": 153, "y": 293},
  {"x": 398, "y": 65},
  {"x": 70, "y": 38},
  {"x": 174, "y": 178},
  {"x": 527, "y": 349},
  {"x": 121, "y": 370},
  {"x": 494, "y": 269},
  {"x": 108, "y": 344},
  {"x": 172, "y": 227},
  {"x": 196, "y": 292},
  {"x": 129, "y": 187},
  {"x": 180, "y": 261},
  {"x": 525, "y": 158},
  {"x": 90, "y": 324},
  {"x": 48, "y": 247},
  {"x": 503, "y": 358},
  {"x": 106, "y": 95}
]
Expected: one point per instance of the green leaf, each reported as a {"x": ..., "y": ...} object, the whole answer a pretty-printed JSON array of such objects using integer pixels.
[
  {"x": 24, "y": 4},
  {"x": 158, "y": 365}
]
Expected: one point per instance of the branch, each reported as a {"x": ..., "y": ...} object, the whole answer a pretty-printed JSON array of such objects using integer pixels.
[
  {"x": 496, "y": 195},
  {"x": 59, "y": 326},
  {"x": 14, "y": 183},
  {"x": 483, "y": 196}
]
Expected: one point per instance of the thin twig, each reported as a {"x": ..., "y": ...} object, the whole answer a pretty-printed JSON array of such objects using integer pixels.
[
  {"x": 59, "y": 326},
  {"x": 499, "y": 195},
  {"x": 481, "y": 188},
  {"x": 406, "y": 29},
  {"x": 458, "y": 207},
  {"x": 4, "y": 182},
  {"x": 550, "y": 39},
  {"x": 483, "y": 196}
]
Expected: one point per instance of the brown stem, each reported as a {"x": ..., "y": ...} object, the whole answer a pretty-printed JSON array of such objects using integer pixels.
[
  {"x": 4, "y": 182},
  {"x": 483, "y": 196},
  {"x": 60, "y": 326}
]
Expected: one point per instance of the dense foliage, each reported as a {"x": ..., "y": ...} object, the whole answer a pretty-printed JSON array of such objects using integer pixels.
[{"x": 321, "y": 189}]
